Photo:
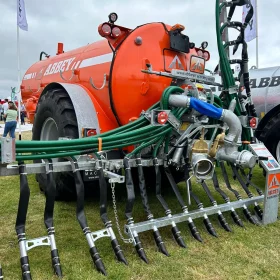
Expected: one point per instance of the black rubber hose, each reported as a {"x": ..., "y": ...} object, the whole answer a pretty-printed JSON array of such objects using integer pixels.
[
  {"x": 175, "y": 231},
  {"x": 234, "y": 215},
  {"x": 158, "y": 187},
  {"x": 145, "y": 202},
  {"x": 249, "y": 182},
  {"x": 236, "y": 174},
  {"x": 50, "y": 197},
  {"x": 103, "y": 194},
  {"x": 142, "y": 187},
  {"x": 129, "y": 189},
  {"x": 217, "y": 187},
  {"x": 80, "y": 190},
  {"x": 206, "y": 189},
  {"x": 174, "y": 186},
  {"x": 225, "y": 175},
  {"x": 23, "y": 200}
]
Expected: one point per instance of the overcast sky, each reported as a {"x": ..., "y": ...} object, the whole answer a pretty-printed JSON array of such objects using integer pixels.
[{"x": 75, "y": 24}]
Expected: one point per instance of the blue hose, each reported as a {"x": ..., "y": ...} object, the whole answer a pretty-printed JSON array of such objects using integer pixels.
[{"x": 205, "y": 108}]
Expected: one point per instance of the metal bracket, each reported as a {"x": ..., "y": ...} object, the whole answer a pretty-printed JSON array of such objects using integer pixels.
[
  {"x": 103, "y": 85},
  {"x": 182, "y": 217},
  {"x": 272, "y": 186},
  {"x": 100, "y": 234},
  {"x": 8, "y": 150},
  {"x": 61, "y": 75},
  {"x": 38, "y": 90},
  {"x": 113, "y": 177},
  {"x": 40, "y": 241},
  {"x": 171, "y": 118}
]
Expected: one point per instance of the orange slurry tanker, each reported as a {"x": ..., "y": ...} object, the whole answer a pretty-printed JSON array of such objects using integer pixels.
[
  {"x": 136, "y": 108},
  {"x": 103, "y": 80}
]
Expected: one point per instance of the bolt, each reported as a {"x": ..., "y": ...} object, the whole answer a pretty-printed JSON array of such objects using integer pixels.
[{"x": 138, "y": 40}]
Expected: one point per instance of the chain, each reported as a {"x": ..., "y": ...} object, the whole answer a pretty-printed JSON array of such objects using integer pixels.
[{"x": 130, "y": 240}]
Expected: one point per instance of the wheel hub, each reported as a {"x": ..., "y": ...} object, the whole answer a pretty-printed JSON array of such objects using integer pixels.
[{"x": 49, "y": 130}]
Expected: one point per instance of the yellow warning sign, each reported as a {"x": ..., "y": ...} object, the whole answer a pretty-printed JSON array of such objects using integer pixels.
[{"x": 273, "y": 184}]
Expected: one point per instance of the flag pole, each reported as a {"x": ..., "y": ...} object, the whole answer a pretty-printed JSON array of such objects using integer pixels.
[
  {"x": 19, "y": 89},
  {"x": 257, "y": 36}
]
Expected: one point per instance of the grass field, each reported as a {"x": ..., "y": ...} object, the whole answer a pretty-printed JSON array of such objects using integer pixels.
[{"x": 247, "y": 253}]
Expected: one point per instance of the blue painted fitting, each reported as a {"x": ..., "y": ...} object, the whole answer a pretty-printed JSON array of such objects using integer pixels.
[{"x": 205, "y": 108}]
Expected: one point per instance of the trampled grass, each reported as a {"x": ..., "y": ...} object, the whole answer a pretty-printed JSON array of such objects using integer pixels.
[{"x": 247, "y": 253}]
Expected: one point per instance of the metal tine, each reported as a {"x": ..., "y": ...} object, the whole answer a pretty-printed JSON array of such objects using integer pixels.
[
  {"x": 206, "y": 221},
  {"x": 246, "y": 212},
  {"x": 246, "y": 189},
  {"x": 209, "y": 227},
  {"x": 48, "y": 217},
  {"x": 221, "y": 217},
  {"x": 129, "y": 207},
  {"x": 145, "y": 202},
  {"x": 103, "y": 214},
  {"x": 195, "y": 233},
  {"x": 233, "y": 213},
  {"x": 257, "y": 208},
  {"x": 21, "y": 220},
  {"x": 81, "y": 217},
  {"x": 174, "y": 229},
  {"x": 249, "y": 182}
]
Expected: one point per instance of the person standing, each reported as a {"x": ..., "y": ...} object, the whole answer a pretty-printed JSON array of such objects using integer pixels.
[
  {"x": 1, "y": 111},
  {"x": 22, "y": 114},
  {"x": 11, "y": 120},
  {"x": 5, "y": 108}
]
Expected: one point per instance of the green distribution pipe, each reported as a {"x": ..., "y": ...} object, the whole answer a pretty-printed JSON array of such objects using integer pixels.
[
  {"x": 155, "y": 150},
  {"x": 70, "y": 153},
  {"x": 87, "y": 140},
  {"x": 146, "y": 144},
  {"x": 93, "y": 145}
]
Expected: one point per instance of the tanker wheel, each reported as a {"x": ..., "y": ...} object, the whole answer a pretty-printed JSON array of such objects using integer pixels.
[
  {"x": 55, "y": 117},
  {"x": 270, "y": 136}
]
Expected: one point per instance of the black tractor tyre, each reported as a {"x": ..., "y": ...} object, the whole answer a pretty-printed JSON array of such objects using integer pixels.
[
  {"x": 55, "y": 108},
  {"x": 270, "y": 136}
]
